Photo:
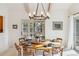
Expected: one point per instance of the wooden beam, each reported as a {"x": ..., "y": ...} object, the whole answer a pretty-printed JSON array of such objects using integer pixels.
[{"x": 49, "y": 7}]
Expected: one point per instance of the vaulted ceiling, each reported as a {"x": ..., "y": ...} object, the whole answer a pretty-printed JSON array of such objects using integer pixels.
[{"x": 31, "y": 7}]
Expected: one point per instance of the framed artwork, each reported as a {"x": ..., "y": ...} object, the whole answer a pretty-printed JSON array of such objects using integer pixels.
[
  {"x": 15, "y": 26},
  {"x": 1, "y": 24},
  {"x": 57, "y": 25}
]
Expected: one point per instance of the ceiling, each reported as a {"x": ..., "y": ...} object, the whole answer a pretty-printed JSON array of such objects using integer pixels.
[
  {"x": 62, "y": 6},
  {"x": 31, "y": 7}
]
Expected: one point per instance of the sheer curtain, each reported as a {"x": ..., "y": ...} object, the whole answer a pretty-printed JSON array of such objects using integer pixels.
[{"x": 71, "y": 33}]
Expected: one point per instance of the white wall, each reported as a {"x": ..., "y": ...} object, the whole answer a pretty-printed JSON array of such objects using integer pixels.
[
  {"x": 53, "y": 34},
  {"x": 4, "y": 35},
  {"x": 16, "y": 14},
  {"x": 13, "y": 14}
]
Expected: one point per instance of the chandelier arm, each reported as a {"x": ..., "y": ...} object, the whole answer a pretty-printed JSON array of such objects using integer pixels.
[
  {"x": 49, "y": 7},
  {"x": 37, "y": 8},
  {"x": 43, "y": 8}
]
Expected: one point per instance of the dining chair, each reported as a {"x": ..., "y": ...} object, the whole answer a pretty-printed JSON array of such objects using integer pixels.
[
  {"x": 21, "y": 40},
  {"x": 61, "y": 51},
  {"x": 59, "y": 40},
  {"x": 18, "y": 49},
  {"x": 57, "y": 51},
  {"x": 57, "y": 47},
  {"x": 27, "y": 51},
  {"x": 31, "y": 51},
  {"x": 47, "y": 52}
]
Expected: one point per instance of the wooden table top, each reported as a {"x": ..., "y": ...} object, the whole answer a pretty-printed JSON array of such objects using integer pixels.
[{"x": 40, "y": 45}]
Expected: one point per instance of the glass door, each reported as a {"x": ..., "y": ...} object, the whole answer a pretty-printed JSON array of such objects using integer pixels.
[
  {"x": 76, "y": 28},
  {"x": 39, "y": 28},
  {"x": 24, "y": 27}
]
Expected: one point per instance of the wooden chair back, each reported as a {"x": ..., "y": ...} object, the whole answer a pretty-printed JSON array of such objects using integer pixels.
[
  {"x": 58, "y": 48},
  {"x": 21, "y": 40},
  {"x": 18, "y": 49},
  {"x": 46, "y": 51},
  {"x": 28, "y": 51},
  {"x": 59, "y": 40}
]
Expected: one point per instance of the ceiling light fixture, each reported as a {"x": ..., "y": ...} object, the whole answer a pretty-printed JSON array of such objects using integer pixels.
[{"x": 44, "y": 15}]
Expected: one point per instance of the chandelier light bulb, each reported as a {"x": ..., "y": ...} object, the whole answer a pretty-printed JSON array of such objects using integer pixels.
[
  {"x": 41, "y": 13},
  {"x": 33, "y": 13},
  {"x": 30, "y": 14},
  {"x": 48, "y": 14}
]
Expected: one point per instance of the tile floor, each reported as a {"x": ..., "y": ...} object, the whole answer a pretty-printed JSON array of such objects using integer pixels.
[{"x": 13, "y": 52}]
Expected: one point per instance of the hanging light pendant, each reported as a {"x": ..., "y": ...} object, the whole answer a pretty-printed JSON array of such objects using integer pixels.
[{"x": 43, "y": 15}]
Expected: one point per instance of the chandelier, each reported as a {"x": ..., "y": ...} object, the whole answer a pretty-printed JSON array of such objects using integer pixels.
[{"x": 44, "y": 15}]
